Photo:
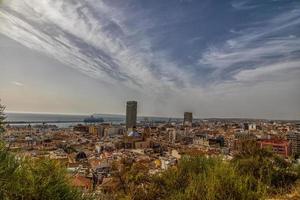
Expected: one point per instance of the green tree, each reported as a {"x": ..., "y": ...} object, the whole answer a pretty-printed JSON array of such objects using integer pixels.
[
  {"x": 134, "y": 181},
  {"x": 8, "y": 165},
  {"x": 33, "y": 179},
  {"x": 2, "y": 118},
  {"x": 197, "y": 178},
  {"x": 208, "y": 179},
  {"x": 253, "y": 174},
  {"x": 265, "y": 167}
]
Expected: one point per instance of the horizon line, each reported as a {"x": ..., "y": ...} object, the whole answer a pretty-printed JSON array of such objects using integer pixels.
[{"x": 196, "y": 118}]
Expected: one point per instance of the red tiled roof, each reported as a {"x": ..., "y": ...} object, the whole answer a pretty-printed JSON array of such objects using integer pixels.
[{"x": 80, "y": 181}]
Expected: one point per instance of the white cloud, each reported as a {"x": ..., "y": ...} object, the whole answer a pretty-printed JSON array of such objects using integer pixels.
[
  {"x": 63, "y": 30},
  {"x": 243, "y": 5},
  {"x": 261, "y": 73},
  {"x": 229, "y": 56},
  {"x": 96, "y": 41},
  {"x": 16, "y": 83},
  {"x": 261, "y": 48}
]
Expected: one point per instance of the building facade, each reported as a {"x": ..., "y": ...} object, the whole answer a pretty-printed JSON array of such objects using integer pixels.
[
  {"x": 188, "y": 118},
  {"x": 131, "y": 110},
  {"x": 294, "y": 138},
  {"x": 280, "y": 147}
]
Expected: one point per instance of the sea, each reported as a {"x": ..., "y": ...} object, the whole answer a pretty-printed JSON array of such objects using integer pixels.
[
  {"x": 65, "y": 120},
  {"x": 60, "y": 120}
]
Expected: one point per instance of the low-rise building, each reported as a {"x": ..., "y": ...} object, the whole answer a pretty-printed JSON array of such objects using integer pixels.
[{"x": 280, "y": 147}]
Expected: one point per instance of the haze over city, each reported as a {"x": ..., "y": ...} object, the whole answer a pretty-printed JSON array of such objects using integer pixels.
[{"x": 214, "y": 58}]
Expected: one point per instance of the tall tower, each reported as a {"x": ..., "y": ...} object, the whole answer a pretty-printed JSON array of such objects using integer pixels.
[
  {"x": 131, "y": 109},
  {"x": 188, "y": 118}
]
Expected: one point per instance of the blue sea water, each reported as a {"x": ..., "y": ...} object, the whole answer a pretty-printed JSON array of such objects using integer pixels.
[
  {"x": 53, "y": 118},
  {"x": 29, "y": 117},
  {"x": 73, "y": 119}
]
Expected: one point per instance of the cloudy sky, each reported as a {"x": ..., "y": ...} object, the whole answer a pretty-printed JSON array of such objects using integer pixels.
[{"x": 216, "y": 58}]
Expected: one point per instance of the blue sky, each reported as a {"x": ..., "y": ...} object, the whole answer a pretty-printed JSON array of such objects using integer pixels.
[{"x": 215, "y": 58}]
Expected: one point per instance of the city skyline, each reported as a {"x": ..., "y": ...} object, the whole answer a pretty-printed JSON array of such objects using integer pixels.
[{"x": 233, "y": 59}]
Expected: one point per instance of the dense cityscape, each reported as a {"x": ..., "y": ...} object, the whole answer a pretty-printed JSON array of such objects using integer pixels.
[{"x": 92, "y": 151}]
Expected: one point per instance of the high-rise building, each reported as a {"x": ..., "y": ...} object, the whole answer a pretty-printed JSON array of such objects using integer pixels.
[
  {"x": 188, "y": 118},
  {"x": 131, "y": 109}
]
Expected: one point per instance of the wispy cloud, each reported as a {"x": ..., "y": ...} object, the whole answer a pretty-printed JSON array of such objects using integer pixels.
[
  {"x": 16, "y": 83},
  {"x": 263, "y": 44},
  {"x": 172, "y": 55},
  {"x": 264, "y": 73},
  {"x": 91, "y": 41},
  {"x": 243, "y": 5}
]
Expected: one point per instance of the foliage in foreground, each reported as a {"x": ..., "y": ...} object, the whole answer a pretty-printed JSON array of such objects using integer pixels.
[
  {"x": 33, "y": 179},
  {"x": 252, "y": 174},
  {"x": 196, "y": 178},
  {"x": 267, "y": 168},
  {"x": 2, "y": 117}
]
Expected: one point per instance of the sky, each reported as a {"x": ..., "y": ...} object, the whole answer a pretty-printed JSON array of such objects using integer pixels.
[{"x": 215, "y": 58}]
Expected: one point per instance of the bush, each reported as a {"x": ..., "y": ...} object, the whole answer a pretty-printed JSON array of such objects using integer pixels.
[
  {"x": 208, "y": 179},
  {"x": 24, "y": 178},
  {"x": 266, "y": 168},
  {"x": 2, "y": 117},
  {"x": 253, "y": 174}
]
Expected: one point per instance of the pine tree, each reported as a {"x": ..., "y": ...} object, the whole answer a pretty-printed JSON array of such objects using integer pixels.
[{"x": 2, "y": 117}]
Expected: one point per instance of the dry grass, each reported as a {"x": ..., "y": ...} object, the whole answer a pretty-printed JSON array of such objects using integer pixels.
[{"x": 293, "y": 195}]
